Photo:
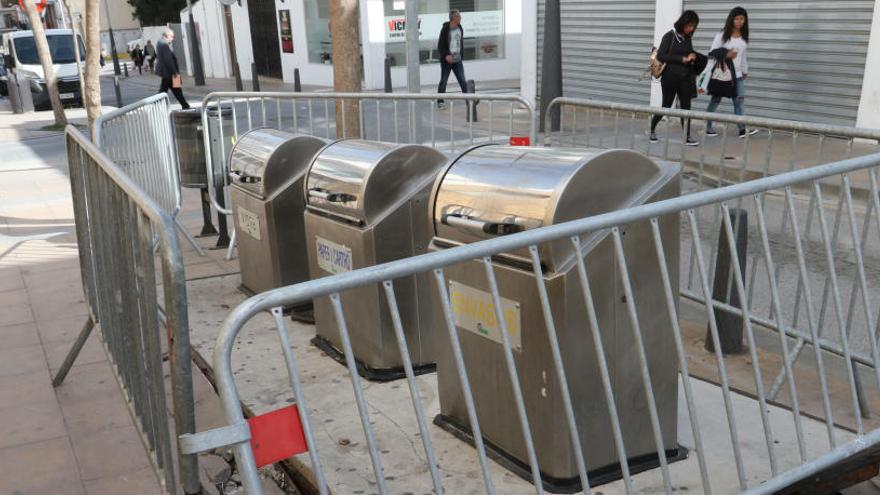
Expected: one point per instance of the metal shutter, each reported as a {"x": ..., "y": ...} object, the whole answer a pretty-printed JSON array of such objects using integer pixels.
[
  {"x": 540, "y": 50},
  {"x": 806, "y": 58},
  {"x": 605, "y": 48}
]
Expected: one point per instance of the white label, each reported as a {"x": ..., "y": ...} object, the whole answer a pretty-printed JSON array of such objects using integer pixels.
[
  {"x": 333, "y": 258},
  {"x": 475, "y": 24},
  {"x": 474, "y": 311},
  {"x": 66, "y": 96},
  {"x": 249, "y": 223}
]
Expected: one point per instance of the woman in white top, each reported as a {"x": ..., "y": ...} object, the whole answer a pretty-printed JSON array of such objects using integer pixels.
[{"x": 735, "y": 39}]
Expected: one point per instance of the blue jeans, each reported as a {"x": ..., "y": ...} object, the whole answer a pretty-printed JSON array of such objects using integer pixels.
[
  {"x": 737, "y": 103},
  {"x": 457, "y": 69}
]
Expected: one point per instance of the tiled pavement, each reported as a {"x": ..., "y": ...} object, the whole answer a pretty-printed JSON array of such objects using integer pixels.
[{"x": 78, "y": 438}]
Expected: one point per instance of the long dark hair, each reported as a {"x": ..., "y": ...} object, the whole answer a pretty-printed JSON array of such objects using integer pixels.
[
  {"x": 687, "y": 17},
  {"x": 728, "y": 25}
]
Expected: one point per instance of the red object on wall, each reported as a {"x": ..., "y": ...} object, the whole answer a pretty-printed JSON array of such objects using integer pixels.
[
  {"x": 41, "y": 5},
  {"x": 277, "y": 435},
  {"x": 520, "y": 141}
]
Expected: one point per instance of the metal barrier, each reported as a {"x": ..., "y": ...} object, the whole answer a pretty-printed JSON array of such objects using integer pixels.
[
  {"x": 138, "y": 138},
  {"x": 798, "y": 432},
  {"x": 780, "y": 146},
  {"x": 398, "y": 118},
  {"x": 116, "y": 221}
]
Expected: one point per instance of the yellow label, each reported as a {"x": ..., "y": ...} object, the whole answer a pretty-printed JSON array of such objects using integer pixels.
[{"x": 473, "y": 310}]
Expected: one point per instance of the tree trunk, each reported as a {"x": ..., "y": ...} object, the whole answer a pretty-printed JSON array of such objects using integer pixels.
[
  {"x": 46, "y": 61},
  {"x": 344, "y": 21},
  {"x": 92, "y": 95}
]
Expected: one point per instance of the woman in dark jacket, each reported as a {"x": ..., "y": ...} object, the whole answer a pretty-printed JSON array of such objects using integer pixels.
[{"x": 678, "y": 79}]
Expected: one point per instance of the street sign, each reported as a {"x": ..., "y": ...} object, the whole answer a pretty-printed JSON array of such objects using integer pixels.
[{"x": 41, "y": 5}]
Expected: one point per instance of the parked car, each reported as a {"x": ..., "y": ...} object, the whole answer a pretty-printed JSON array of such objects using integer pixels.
[{"x": 20, "y": 57}]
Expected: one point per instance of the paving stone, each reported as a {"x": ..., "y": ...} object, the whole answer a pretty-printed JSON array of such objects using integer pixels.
[
  {"x": 92, "y": 352},
  {"x": 21, "y": 335},
  {"x": 87, "y": 383},
  {"x": 107, "y": 453},
  {"x": 30, "y": 423},
  {"x": 21, "y": 361},
  {"x": 10, "y": 298},
  {"x": 41, "y": 467},
  {"x": 83, "y": 417},
  {"x": 59, "y": 309},
  {"x": 14, "y": 315},
  {"x": 26, "y": 389},
  {"x": 60, "y": 330},
  {"x": 141, "y": 482}
]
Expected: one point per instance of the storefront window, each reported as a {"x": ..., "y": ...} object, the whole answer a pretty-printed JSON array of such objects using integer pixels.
[
  {"x": 318, "y": 31},
  {"x": 482, "y": 20}
]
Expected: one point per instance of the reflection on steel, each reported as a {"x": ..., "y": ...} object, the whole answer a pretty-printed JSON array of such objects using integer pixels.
[
  {"x": 267, "y": 168},
  {"x": 531, "y": 188},
  {"x": 368, "y": 203},
  {"x": 382, "y": 118}
]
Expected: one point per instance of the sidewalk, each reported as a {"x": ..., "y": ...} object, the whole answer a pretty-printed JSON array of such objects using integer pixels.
[
  {"x": 269, "y": 84},
  {"x": 78, "y": 438}
]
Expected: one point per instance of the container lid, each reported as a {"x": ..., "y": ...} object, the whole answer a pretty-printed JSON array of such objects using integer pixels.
[
  {"x": 363, "y": 181},
  {"x": 263, "y": 161},
  {"x": 497, "y": 190}
]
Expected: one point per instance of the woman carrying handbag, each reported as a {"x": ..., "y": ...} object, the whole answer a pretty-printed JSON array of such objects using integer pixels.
[
  {"x": 678, "y": 78},
  {"x": 728, "y": 73}
]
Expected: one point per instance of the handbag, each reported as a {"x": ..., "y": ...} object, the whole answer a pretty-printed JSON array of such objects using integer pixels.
[
  {"x": 721, "y": 82},
  {"x": 176, "y": 81},
  {"x": 655, "y": 67}
]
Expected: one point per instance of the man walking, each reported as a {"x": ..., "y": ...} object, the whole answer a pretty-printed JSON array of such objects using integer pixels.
[
  {"x": 150, "y": 53},
  {"x": 167, "y": 68},
  {"x": 450, "y": 46}
]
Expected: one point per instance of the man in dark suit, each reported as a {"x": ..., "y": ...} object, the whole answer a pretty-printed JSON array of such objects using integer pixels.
[{"x": 167, "y": 68}]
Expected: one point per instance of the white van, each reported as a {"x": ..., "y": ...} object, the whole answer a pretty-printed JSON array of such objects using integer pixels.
[{"x": 20, "y": 54}]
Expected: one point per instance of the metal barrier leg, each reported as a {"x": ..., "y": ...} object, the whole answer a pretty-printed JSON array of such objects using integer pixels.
[
  {"x": 74, "y": 352},
  {"x": 188, "y": 237},
  {"x": 231, "y": 248}
]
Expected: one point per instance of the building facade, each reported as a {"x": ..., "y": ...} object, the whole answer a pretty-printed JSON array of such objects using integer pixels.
[
  {"x": 278, "y": 36},
  {"x": 808, "y": 60}
]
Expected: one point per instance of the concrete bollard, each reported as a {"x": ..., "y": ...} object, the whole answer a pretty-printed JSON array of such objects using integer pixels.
[
  {"x": 730, "y": 326},
  {"x": 297, "y": 87}
]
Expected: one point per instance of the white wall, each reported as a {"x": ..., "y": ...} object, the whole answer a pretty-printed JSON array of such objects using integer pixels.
[
  {"x": 243, "y": 46},
  {"x": 310, "y": 74},
  {"x": 208, "y": 16},
  {"x": 869, "y": 105},
  {"x": 666, "y": 13}
]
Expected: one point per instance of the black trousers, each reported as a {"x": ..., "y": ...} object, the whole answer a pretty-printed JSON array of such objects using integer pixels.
[
  {"x": 676, "y": 86},
  {"x": 177, "y": 92},
  {"x": 457, "y": 69}
]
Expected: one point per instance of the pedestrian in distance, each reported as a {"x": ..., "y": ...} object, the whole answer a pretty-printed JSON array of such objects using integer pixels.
[
  {"x": 679, "y": 76},
  {"x": 729, "y": 51},
  {"x": 137, "y": 56},
  {"x": 150, "y": 53},
  {"x": 167, "y": 68},
  {"x": 450, "y": 45}
]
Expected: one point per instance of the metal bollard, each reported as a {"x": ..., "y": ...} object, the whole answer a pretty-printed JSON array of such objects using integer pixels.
[
  {"x": 297, "y": 87},
  {"x": 730, "y": 326},
  {"x": 125, "y": 69},
  {"x": 254, "y": 77},
  {"x": 388, "y": 88},
  {"x": 207, "y": 224},
  {"x": 472, "y": 105}
]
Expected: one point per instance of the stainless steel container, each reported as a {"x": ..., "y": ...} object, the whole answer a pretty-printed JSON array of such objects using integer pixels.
[
  {"x": 266, "y": 169},
  {"x": 498, "y": 190},
  {"x": 367, "y": 204}
]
